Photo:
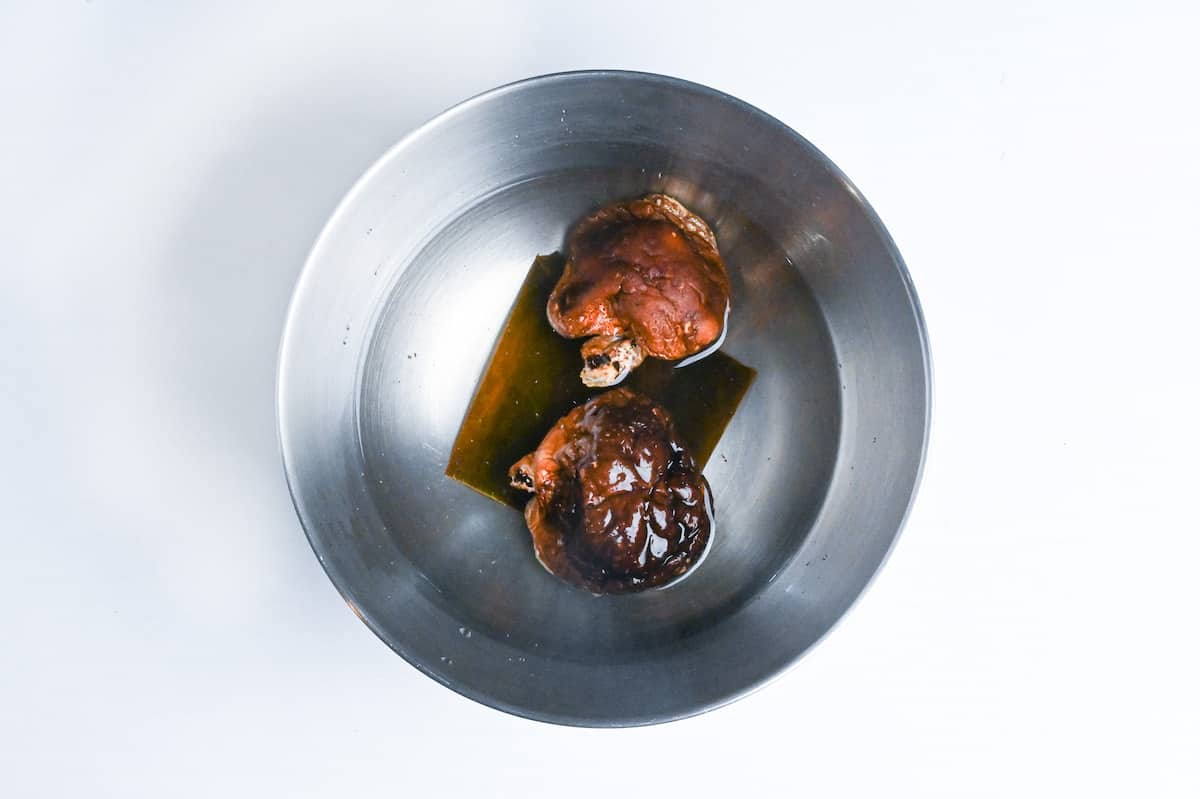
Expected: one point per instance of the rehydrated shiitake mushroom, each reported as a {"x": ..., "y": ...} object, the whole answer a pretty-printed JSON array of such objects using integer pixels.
[
  {"x": 642, "y": 278},
  {"x": 618, "y": 504}
]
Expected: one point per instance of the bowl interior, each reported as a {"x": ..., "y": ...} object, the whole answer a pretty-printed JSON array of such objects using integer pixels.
[
  {"x": 397, "y": 312},
  {"x": 420, "y": 371}
]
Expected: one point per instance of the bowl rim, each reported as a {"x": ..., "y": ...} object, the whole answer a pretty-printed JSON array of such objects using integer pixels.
[{"x": 480, "y": 696}]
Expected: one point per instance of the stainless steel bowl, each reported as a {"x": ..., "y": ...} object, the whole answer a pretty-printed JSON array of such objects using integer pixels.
[{"x": 397, "y": 310}]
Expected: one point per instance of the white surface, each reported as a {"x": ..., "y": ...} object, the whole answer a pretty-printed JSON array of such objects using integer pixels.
[{"x": 166, "y": 630}]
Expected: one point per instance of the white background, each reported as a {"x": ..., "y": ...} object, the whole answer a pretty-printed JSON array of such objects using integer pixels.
[{"x": 165, "y": 628}]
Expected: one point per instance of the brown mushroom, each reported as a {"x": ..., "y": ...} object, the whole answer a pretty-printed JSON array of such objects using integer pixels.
[
  {"x": 642, "y": 279},
  {"x": 618, "y": 504}
]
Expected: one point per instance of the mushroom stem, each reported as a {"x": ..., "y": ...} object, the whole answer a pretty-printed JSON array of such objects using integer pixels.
[{"x": 607, "y": 360}]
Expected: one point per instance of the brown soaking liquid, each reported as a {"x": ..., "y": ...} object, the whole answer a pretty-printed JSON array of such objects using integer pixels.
[{"x": 532, "y": 380}]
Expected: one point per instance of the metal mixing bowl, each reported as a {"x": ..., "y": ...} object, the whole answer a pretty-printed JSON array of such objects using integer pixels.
[{"x": 393, "y": 320}]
